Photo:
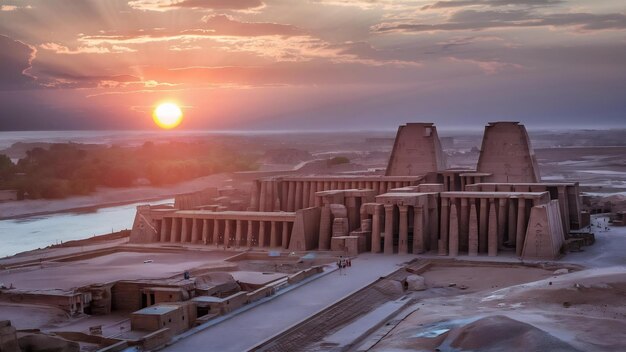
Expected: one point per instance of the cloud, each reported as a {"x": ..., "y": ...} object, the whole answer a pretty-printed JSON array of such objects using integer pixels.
[
  {"x": 165, "y": 5},
  {"x": 8, "y": 8},
  {"x": 64, "y": 50},
  {"x": 15, "y": 61},
  {"x": 58, "y": 79},
  {"x": 484, "y": 20},
  {"x": 227, "y": 25},
  {"x": 489, "y": 3}
]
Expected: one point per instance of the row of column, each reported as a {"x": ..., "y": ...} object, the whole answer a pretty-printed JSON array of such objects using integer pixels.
[
  {"x": 398, "y": 222},
  {"x": 238, "y": 233},
  {"x": 482, "y": 225},
  {"x": 286, "y": 195}
]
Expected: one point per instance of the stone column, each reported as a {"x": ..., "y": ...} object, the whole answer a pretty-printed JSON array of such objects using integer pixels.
[
  {"x": 305, "y": 194},
  {"x": 418, "y": 230},
  {"x": 249, "y": 235},
  {"x": 434, "y": 223},
  {"x": 273, "y": 235},
  {"x": 298, "y": 201},
  {"x": 261, "y": 233},
  {"x": 269, "y": 201},
  {"x": 389, "y": 228},
  {"x": 521, "y": 226},
  {"x": 312, "y": 190},
  {"x": 216, "y": 232},
  {"x": 186, "y": 227},
  {"x": 492, "y": 246},
  {"x": 195, "y": 230},
  {"x": 564, "y": 207},
  {"x": 285, "y": 242},
  {"x": 205, "y": 231},
  {"x": 446, "y": 184},
  {"x": 291, "y": 197},
  {"x": 263, "y": 197},
  {"x": 353, "y": 213},
  {"x": 227, "y": 232},
  {"x": 443, "y": 228},
  {"x": 238, "y": 230},
  {"x": 403, "y": 243},
  {"x": 483, "y": 225},
  {"x": 376, "y": 228},
  {"x": 454, "y": 231},
  {"x": 464, "y": 225},
  {"x": 325, "y": 228},
  {"x": 473, "y": 231},
  {"x": 284, "y": 192},
  {"x": 333, "y": 184},
  {"x": 174, "y": 233},
  {"x": 501, "y": 221},
  {"x": 164, "y": 229},
  {"x": 511, "y": 238},
  {"x": 376, "y": 187}
]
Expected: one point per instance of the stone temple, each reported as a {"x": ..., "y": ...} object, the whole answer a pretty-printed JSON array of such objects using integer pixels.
[{"x": 418, "y": 206}]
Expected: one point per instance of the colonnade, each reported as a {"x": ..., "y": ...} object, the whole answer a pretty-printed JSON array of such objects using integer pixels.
[
  {"x": 236, "y": 232},
  {"x": 567, "y": 193},
  {"x": 294, "y": 193}
]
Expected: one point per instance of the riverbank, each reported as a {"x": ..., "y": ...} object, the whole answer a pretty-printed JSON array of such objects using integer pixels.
[{"x": 107, "y": 197}]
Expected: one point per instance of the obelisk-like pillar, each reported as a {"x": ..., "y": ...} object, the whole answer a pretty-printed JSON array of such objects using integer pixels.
[
  {"x": 216, "y": 232},
  {"x": 443, "y": 228},
  {"x": 418, "y": 230},
  {"x": 194, "y": 230},
  {"x": 483, "y": 226},
  {"x": 205, "y": 231},
  {"x": 403, "y": 243},
  {"x": 454, "y": 231},
  {"x": 291, "y": 197},
  {"x": 501, "y": 221},
  {"x": 298, "y": 201},
  {"x": 473, "y": 231},
  {"x": 238, "y": 231},
  {"x": 376, "y": 228},
  {"x": 492, "y": 246},
  {"x": 174, "y": 234},
  {"x": 249, "y": 237},
  {"x": 388, "y": 228},
  {"x": 273, "y": 235},
  {"x": 164, "y": 229},
  {"x": 521, "y": 226},
  {"x": 261, "y": 233},
  {"x": 463, "y": 225},
  {"x": 285, "y": 242}
]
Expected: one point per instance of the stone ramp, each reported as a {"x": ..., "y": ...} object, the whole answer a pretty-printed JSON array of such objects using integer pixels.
[{"x": 309, "y": 335}]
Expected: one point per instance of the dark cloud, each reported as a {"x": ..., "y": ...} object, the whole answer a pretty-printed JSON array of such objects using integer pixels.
[
  {"x": 226, "y": 25},
  {"x": 15, "y": 60},
  {"x": 218, "y": 4},
  {"x": 481, "y": 20},
  {"x": 490, "y": 3}
]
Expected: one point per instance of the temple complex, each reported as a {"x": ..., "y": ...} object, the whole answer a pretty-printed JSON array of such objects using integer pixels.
[{"x": 418, "y": 206}]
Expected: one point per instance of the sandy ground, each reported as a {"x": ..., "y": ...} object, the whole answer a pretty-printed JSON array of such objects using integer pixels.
[
  {"x": 109, "y": 197},
  {"x": 31, "y": 316},
  {"x": 522, "y": 309}
]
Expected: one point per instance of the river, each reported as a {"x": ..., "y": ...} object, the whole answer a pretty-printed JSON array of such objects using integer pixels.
[{"x": 34, "y": 232}]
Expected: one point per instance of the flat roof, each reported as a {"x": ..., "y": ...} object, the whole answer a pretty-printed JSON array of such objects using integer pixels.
[
  {"x": 493, "y": 194},
  {"x": 236, "y": 215},
  {"x": 207, "y": 299},
  {"x": 156, "y": 310},
  {"x": 527, "y": 183}
]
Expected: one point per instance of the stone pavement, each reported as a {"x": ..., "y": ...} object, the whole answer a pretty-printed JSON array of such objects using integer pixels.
[{"x": 249, "y": 328}]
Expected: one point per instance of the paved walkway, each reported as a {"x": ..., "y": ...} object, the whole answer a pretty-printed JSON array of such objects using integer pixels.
[{"x": 253, "y": 326}]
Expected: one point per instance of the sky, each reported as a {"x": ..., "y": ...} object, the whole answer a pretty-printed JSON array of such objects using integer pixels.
[{"x": 312, "y": 64}]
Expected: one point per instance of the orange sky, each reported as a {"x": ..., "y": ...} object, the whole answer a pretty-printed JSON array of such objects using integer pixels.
[{"x": 311, "y": 64}]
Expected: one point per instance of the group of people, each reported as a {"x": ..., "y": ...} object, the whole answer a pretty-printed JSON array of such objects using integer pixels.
[{"x": 343, "y": 263}]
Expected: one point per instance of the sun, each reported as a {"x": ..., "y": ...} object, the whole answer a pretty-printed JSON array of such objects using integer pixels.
[{"x": 167, "y": 115}]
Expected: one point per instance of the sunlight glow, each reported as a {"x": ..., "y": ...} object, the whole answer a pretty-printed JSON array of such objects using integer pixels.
[{"x": 167, "y": 115}]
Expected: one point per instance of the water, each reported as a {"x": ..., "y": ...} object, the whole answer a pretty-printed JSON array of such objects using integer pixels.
[{"x": 40, "y": 231}]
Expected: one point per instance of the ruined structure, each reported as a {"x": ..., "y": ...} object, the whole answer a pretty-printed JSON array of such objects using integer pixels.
[{"x": 418, "y": 207}]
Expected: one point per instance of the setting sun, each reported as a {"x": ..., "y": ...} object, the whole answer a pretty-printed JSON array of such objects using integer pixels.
[{"x": 167, "y": 115}]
